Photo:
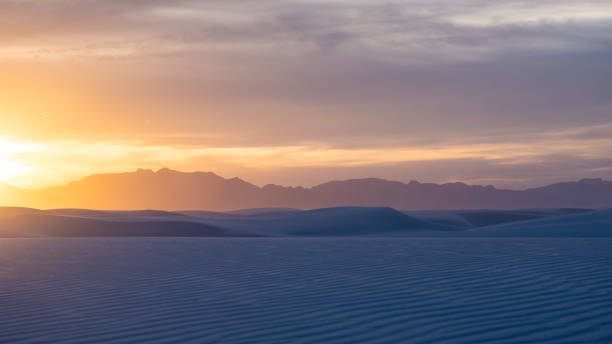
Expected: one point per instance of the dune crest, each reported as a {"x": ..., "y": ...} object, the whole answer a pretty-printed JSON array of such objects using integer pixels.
[{"x": 337, "y": 221}]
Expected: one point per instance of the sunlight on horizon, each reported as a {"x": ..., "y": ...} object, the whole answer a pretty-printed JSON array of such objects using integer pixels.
[
  {"x": 9, "y": 166},
  {"x": 46, "y": 163},
  {"x": 11, "y": 169}
]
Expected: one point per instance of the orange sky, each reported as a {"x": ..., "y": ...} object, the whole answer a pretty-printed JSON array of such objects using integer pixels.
[
  {"x": 300, "y": 93},
  {"x": 52, "y": 161}
]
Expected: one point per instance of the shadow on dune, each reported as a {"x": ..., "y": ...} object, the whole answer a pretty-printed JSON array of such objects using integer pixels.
[
  {"x": 492, "y": 217},
  {"x": 582, "y": 224},
  {"x": 13, "y": 211},
  {"x": 65, "y": 226},
  {"x": 113, "y": 213},
  {"x": 338, "y": 221},
  {"x": 342, "y": 221}
]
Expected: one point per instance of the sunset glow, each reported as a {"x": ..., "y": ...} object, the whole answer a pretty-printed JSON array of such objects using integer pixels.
[
  {"x": 56, "y": 162},
  {"x": 11, "y": 170},
  {"x": 298, "y": 93},
  {"x": 11, "y": 165}
]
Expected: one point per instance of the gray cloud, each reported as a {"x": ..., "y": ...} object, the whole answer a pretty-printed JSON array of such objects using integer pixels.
[
  {"x": 399, "y": 29},
  {"x": 340, "y": 73}
]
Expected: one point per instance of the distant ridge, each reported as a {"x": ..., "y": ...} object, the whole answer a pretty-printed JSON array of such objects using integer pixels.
[{"x": 173, "y": 190}]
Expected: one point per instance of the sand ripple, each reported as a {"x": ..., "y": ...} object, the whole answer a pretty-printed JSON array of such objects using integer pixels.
[{"x": 302, "y": 290}]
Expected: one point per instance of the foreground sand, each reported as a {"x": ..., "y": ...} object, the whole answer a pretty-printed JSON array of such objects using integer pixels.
[{"x": 305, "y": 290}]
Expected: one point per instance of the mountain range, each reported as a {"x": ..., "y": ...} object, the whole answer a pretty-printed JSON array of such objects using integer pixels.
[{"x": 173, "y": 190}]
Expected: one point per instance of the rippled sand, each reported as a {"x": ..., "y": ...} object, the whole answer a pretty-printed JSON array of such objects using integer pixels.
[{"x": 305, "y": 290}]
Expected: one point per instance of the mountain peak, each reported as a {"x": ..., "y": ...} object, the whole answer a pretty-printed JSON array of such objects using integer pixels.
[{"x": 165, "y": 170}]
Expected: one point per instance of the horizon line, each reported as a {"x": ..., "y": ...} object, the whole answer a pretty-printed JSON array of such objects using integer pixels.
[{"x": 166, "y": 169}]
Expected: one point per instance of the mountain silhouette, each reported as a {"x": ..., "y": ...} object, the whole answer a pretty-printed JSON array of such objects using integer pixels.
[{"x": 173, "y": 190}]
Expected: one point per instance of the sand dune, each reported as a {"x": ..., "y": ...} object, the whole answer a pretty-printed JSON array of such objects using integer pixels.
[
  {"x": 113, "y": 213},
  {"x": 339, "y": 221},
  {"x": 260, "y": 211},
  {"x": 320, "y": 222},
  {"x": 70, "y": 226},
  {"x": 590, "y": 224},
  {"x": 368, "y": 276},
  {"x": 328, "y": 221},
  {"x": 12, "y": 211},
  {"x": 306, "y": 290}
]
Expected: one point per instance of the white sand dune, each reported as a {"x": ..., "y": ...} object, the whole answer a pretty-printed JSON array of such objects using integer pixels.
[
  {"x": 260, "y": 211},
  {"x": 321, "y": 222},
  {"x": 590, "y": 224},
  {"x": 465, "y": 219},
  {"x": 113, "y": 213},
  {"x": 340, "y": 221},
  {"x": 305, "y": 290},
  {"x": 72, "y": 226}
]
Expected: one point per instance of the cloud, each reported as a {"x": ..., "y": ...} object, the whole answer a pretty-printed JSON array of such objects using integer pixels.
[
  {"x": 526, "y": 161},
  {"x": 398, "y": 31},
  {"x": 358, "y": 78}
]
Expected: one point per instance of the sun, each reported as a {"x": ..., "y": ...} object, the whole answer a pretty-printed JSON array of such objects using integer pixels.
[
  {"x": 10, "y": 166},
  {"x": 10, "y": 169}
]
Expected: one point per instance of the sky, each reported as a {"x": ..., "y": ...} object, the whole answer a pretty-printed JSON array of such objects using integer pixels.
[{"x": 510, "y": 93}]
